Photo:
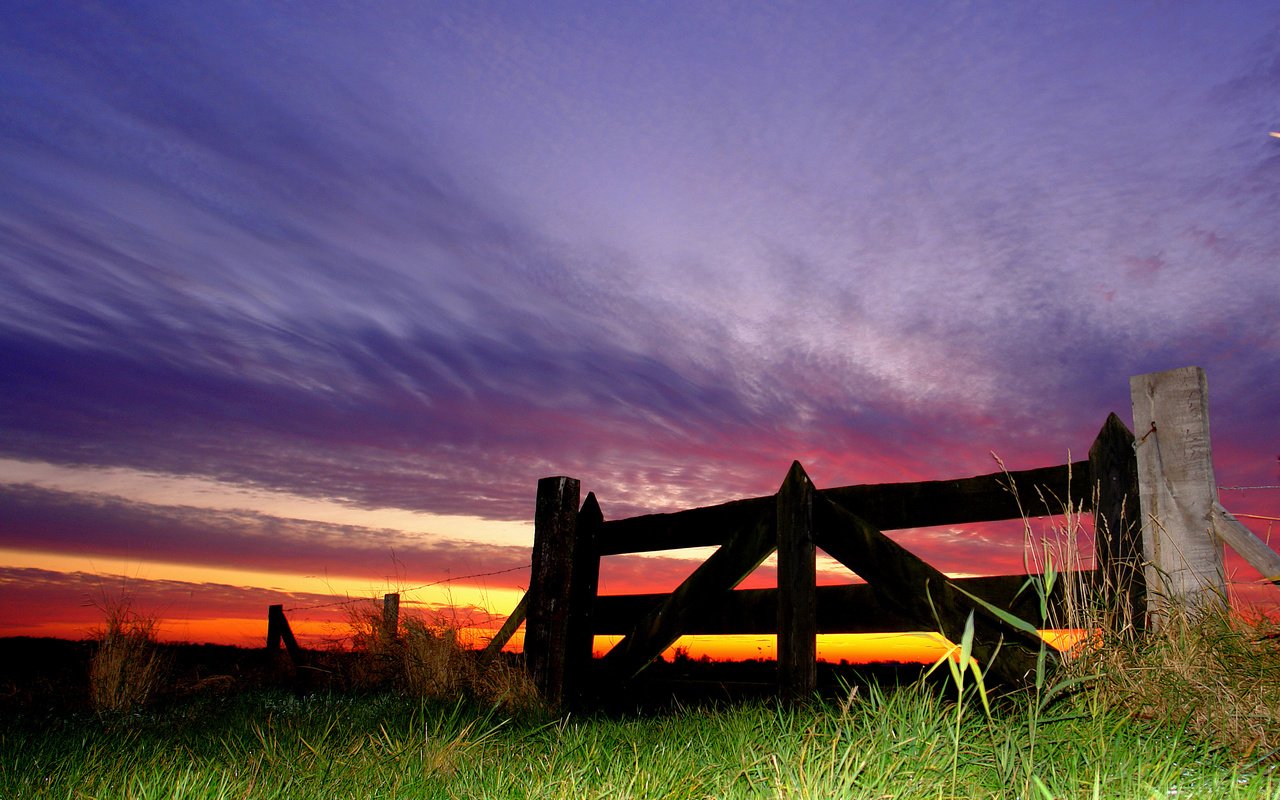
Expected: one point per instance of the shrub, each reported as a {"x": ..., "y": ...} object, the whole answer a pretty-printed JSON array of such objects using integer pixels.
[
  {"x": 1213, "y": 669},
  {"x": 434, "y": 661}
]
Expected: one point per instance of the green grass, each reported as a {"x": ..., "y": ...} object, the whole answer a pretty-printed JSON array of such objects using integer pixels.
[{"x": 876, "y": 744}]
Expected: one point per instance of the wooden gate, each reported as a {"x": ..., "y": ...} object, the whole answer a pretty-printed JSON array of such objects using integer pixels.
[
  {"x": 902, "y": 592},
  {"x": 1133, "y": 552}
]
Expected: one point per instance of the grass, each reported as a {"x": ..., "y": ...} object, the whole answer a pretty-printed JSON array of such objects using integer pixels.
[
  {"x": 1218, "y": 675},
  {"x": 1212, "y": 670},
  {"x": 877, "y": 741},
  {"x": 878, "y": 744},
  {"x": 395, "y": 740}
]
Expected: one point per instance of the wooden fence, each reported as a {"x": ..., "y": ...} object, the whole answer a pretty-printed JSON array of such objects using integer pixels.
[
  {"x": 901, "y": 593},
  {"x": 1135, "y": 549}
]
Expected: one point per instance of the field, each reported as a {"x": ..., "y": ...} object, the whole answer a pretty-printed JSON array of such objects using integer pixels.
[{"x": 225, "y": 727}]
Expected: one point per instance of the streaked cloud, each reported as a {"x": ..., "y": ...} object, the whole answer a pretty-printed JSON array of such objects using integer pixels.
[{"x": 412, "y": 260}]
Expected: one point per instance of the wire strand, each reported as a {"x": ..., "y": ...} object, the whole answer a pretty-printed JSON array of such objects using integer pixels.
[
  {"x": 467, "y": 577},
  {"x": 351, "y": 600}
]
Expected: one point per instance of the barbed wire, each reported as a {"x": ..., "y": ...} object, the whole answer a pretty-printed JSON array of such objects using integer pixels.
[
  {"x": 467, "y": 577},
  {"x": 348, "y": 601},
  {"x": 351, "y": 600},
  {"x": 1246, "y": 488}
]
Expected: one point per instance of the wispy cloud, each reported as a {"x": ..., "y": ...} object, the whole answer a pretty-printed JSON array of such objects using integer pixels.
[
  {"x": 98, "y": 525},
  {"x": 422, "y": 257}
]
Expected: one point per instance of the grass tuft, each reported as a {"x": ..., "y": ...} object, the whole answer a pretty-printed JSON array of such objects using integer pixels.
[
  {"x": 127, "y": 668},
  {"x": 1218, "y": 673},
  {"x": 435, "y": 659},
  {"x": 1211, "y": 670}
]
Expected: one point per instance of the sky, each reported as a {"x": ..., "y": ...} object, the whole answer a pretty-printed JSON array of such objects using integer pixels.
[{"x": 299, "y": 301}]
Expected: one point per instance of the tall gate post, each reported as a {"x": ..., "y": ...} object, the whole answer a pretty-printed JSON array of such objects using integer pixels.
[
  {"x": 1179, "y": 496},
  {"x": 579, "y": 638},
  {"x": 1113, "y": 471},
  {"x": 547, "y": 625},
  {"x": 797, "y": 587}
]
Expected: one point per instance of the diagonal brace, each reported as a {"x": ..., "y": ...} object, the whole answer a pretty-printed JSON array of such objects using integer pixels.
[
  {"x": 909, "y": 584},
  {"x": 726, "y": 568}
]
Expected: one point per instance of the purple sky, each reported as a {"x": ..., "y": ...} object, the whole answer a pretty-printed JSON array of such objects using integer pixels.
[{"x": 418, "y": 255}]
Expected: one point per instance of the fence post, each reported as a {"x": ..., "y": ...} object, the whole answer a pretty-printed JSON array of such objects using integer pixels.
[
  {"x": 390, "y": 617},
  {"x": 1184, "y": 557},
  {"x": 580, "y": 638},
  {"x": 797, "y": 587},
  {"x": 1113, "y": 471},
  {"x": 547, "y": 625},
  {"x": 277, "y": 630}
]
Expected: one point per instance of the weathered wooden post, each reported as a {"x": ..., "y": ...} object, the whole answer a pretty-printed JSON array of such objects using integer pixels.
[
  {"x": 585, "y": 581},
  {"x": 1184, "y": 557},
  {"x": 1113, "y": 471},
  {"x": 797, "y": 587},
  {"x": 390, "y": 617},
  {"x": 551, "y": 591}
]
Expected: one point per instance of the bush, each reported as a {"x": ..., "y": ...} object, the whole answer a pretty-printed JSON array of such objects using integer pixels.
[
  {"x": 1216, "y": 672},
  {"x": 434, "y": 662}
]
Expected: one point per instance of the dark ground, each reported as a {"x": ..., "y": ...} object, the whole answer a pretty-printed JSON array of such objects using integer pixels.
[{"x": 53, "y": 674}]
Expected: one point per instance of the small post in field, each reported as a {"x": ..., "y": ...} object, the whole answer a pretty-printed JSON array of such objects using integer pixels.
[
  {"x": 1184, "y": 556},
  {"x": 551, "y": 590},
  {"x": 797, "y": 587},
  {"x": 390, "y": 617},
  {"x": 278, "y": 630}
]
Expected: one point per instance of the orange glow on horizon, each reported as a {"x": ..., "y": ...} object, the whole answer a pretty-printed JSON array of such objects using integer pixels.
[
  {"x": 480, "y": 611},
  {"x": 78, "y": 613},
  {"x": 856, "y": 648}
]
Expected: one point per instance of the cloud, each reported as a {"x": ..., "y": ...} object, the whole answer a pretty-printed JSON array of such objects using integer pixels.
[
  {"x": 42, "y": 602},
  {"x": 89, "y": 525},
  {"x": 26, "y": 589},
  {"x": 423, "y": 259}
]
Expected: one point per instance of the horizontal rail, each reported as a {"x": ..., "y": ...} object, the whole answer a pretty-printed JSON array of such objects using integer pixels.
[
  {"x": 983, "y": 498},
  {"x": 696, "y": 527},
  {"x": 886, "y": 506}
]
